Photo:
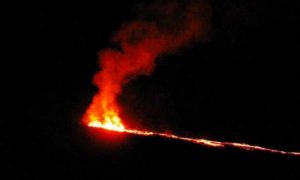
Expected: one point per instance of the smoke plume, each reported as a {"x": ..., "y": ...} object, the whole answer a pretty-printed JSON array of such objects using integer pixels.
[{"x": 163, "y": 28}]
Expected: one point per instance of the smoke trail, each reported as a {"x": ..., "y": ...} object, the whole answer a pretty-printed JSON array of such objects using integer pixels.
[{"x": 171, "y": 26}]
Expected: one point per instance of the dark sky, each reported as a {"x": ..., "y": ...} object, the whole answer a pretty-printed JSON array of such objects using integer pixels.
[{"x": 241, "y": 85}]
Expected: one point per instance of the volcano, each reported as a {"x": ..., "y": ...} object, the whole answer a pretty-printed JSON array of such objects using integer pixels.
[{"x": 237, "y": 81}]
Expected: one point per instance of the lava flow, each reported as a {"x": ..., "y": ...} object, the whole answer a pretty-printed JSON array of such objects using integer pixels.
[{"x": 113, "y": 123}]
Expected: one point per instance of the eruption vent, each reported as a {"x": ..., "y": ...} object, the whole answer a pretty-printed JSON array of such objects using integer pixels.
[{"x": 140, "y": 43}]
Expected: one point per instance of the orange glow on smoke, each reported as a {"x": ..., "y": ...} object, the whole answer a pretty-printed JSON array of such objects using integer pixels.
[{"x": 141, "y": 42}]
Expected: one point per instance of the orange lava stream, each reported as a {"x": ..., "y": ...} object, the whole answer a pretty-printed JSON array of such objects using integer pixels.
[{"x": 206, "y": 142}]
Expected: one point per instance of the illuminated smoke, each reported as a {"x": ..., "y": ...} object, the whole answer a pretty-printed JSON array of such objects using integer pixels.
[{"x": 141, "y": 42}]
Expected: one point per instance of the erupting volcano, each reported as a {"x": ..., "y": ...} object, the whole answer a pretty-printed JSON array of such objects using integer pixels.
[{"x": 139, "y": 44}]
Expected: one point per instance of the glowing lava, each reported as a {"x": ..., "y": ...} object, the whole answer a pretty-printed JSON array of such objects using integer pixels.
[{"x": 112, "y": 122}]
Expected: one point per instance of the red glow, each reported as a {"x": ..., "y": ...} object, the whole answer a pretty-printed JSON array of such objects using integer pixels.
[{"x": 141, "y": 43}]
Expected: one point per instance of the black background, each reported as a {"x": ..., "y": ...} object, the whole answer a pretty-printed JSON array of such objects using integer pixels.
[{"x": 242, "y": 85}]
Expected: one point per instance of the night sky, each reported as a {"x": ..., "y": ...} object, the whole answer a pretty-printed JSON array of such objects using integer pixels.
[{"x": 240, "y": 84}]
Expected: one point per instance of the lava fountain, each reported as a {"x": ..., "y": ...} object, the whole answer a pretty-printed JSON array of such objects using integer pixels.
[{"x": 140, "y": 43}]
